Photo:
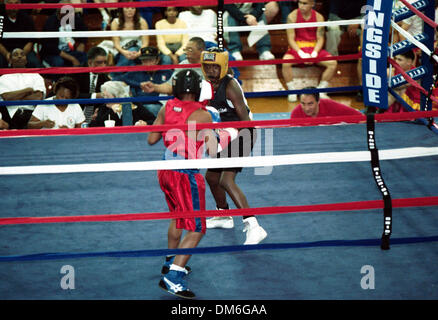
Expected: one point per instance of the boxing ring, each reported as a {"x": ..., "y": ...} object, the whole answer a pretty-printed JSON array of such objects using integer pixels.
[{"x": 89, "y": 199}]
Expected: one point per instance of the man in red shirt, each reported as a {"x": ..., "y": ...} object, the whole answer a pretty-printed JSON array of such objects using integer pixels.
[{"x": 312, "y": 106}]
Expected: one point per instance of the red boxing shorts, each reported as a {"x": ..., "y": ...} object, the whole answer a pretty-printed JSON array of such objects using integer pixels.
[
  {"x": 309, "y": 50},
  {"x": 184, "y": 191}
]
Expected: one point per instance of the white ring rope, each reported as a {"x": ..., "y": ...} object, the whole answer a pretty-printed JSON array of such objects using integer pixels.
[
  {"x": 151, "y": 32},
  {"x": 254, "y": 161},
  {"x": 414, "y": 41}
]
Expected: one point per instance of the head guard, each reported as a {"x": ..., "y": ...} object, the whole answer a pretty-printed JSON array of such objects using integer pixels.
[
  {"x": 186, "y": 81},
  {"x": 215, "y": 56}
]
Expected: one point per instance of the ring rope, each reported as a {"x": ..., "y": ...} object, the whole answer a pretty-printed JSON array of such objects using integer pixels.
[
  {"x": 208, "y": 163},
  {"x": 331, "y": 207},
  {"x": 426, "y": 19},
  {"x": 134, "y": 4},
  {"x": 152, "y": 32},
  {"x": 209, "y": 250},
  {"x": 253, "y": 208},
  {"x": 158, "y": 98},
  {"x": 56, "y": 70},
  {"x": 404, "y": 12},
  {"x": 412, "y": 39},
  {"x": 382, "y": 117}
]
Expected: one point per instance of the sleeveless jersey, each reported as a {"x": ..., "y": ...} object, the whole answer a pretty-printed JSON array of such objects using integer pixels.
[
  {"x": 221, "y": 104},
  {"x": 306, "y": 37},
  {"x": 176, "y": 140}
]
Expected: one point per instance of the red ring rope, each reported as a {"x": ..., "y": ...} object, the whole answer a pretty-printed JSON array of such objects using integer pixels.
[
  {"x": 344, "y": 206},
  {"x": 384, "y": 117},
  {"x": 134, "y": 4},
  {"x": 61, "y": 70}
]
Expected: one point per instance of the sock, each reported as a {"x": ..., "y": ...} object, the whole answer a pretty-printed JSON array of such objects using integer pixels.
[
  {"x": 177, "y": 268},
  {"x": 226, "y": 208},
  {"x": 252, "y": 220}
]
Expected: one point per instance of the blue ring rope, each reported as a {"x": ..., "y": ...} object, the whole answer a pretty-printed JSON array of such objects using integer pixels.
[
  {"x": 157, "y": 98},
  {"x": 219, "y": 249}
]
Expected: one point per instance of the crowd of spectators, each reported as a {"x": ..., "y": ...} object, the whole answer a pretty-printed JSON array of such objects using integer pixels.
[{"x": 163, "y": 49}]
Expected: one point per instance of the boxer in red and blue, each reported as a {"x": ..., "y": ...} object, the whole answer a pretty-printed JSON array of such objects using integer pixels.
[{"x": 184, "y": 189}]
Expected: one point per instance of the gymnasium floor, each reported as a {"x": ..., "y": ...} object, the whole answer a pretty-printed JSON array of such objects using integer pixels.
[{"x": 317, "y": 269}]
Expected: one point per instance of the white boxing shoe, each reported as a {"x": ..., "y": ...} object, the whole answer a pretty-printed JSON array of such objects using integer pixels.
[
  {"x": 220, "y": 222},
  {"x": 254, "y": 232}
]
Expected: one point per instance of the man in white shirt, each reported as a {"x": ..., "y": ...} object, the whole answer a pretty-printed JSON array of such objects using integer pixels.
[
  {"x": 197, "y": 17},
  {"x": 20, "y": 86},
  {"x": 57, "y": 115}
]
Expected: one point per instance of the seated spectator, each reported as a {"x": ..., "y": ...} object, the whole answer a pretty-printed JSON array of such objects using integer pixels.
[
  {"x": 149, "y": 57},
  {"x": 311, "y": 106},
  {"x": 307, "y": 43},
  {"x": 407, "y": 92},
  {"x": 284, "y": 7},
  {"x": 20, "y": 86},
  {"x": 128, "y": 47},
  {"x": 67, "y": 51},
  {"x": 114, "y": 111},
  {"x": 343, "y": 10},
  {"x": 197, "y": 17},
  {"x": 147, "y": 13},
  {"x": 193, "y": 50},
  {"x": 3, "y": 124},
  {"x": 59, "y": 115},
  {"x": 250, "y": 14},
  {"x": 18, "y": 21},
  {"x": 90, "y": 83},
  {"x": 108, "y": 14},
  {"x": 171, "y": 45}
]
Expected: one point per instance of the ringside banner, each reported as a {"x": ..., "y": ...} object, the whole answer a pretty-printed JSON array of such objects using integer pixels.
[{"x": 377, "y": 21}]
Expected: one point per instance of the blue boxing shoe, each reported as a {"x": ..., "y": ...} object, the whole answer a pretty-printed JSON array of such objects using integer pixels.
[
  {"x": 173, "y": 283},
  {"x": 166, "y": 266}
]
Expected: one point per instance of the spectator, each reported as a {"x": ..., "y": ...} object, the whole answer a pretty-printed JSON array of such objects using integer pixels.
[
  {"x": 128, "y": 47},
  {"x": 59, "y": 116},
  {"x": 343, "y": 10},
  {"x": 20, "y": 86},
  {"x": 148, "y": 13},
  {"x": 413, "y": 24},
  {"x": 90, "y": 83},
  {"x": 284, "y": 7},
  {"x": 247, "y": 14},
  {"x": 311, "y": 106},
  {"x": 18, "y": 21},
  {"x": 60, "y": 52},
  {"x": 117, "y": 111},
  {"x": 3, "y": 124},
  {"x": 307, "y": 43},
  {"x": 197, "y": 17},
  {"x": 108, "y": 14},
  {"x": 193, "y": 51},
  {"x": 149, "y": 57},
  {"x": 171, "y": 45},
  {"x": 407, "y": 92}
]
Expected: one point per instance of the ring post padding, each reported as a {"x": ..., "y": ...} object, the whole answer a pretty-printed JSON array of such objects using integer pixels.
[{"x": 377, "y": 22}]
